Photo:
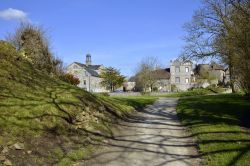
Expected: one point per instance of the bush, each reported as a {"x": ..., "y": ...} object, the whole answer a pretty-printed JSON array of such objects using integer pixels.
[
  {"x": 215, "y": 89},
  {"x": 70, "y": 78},
  {"x": 6, "y": 49},
  {"x": 173, "y": 88},
  {"x": 145, "y": 93},
  {"x": 104, "y": 94}
]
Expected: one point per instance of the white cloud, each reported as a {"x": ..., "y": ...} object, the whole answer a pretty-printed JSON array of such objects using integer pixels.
[{"x": 13, "y": 14}]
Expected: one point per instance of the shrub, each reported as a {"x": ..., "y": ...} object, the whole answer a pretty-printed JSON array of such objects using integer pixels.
[
  {"x": 104, "y": 94},
  {"x": 6, "y": 49},
  {"x": 215, "y": 89},
  {"x": 145, "y": 93},
  {"x": 173, "y": 88},
  {"x": 70, "y": 78}
]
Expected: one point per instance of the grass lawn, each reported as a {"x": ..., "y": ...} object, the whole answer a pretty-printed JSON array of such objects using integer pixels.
[
  {"x": 137, "y": 102},
  {"x": 216, "y": 122},
  {"x": 195, "y": 92}
]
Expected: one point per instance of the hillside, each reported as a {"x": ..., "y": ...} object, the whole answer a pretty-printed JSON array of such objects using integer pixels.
[{"x": 45, "y": 121}]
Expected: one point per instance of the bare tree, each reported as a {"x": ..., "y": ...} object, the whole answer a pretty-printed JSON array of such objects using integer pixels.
[
  {"x": 221, "y": 29},
  {"x": 145, "y": 77}
]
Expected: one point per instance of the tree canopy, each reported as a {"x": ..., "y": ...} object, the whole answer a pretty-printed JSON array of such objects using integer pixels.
[{"x": 112, "y": 78}]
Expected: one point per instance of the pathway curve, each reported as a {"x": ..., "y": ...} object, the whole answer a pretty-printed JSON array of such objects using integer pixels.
[{"x": 153, "y": 137}]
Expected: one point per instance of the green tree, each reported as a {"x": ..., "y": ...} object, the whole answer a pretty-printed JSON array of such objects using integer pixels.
[{"x": 112, "y": 78}]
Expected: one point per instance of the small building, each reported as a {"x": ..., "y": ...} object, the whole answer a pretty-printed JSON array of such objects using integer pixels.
[
  {"x": 162, "y": 77},
  {"x": 88, "y": 74},
  {"x": 129, "y": 85},
  {"x": 212, "y": 73}
]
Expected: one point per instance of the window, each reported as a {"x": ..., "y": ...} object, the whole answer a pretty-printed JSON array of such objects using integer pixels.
[
  {"x": 177, "y": 79},
  {"x": 187, "y": 80},
  {"x": 187, "y": 69},
  {"x": 177, "y": 69},
  {"x": 84, "y": 82}
]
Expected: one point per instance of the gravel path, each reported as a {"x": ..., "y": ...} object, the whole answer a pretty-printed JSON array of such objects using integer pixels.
[{"x": 153, "y": 137}]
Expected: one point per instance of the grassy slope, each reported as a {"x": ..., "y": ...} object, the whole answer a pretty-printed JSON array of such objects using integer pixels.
[
  {"x": 51, "y": 118},
  {"x": 216, "y": 123}
]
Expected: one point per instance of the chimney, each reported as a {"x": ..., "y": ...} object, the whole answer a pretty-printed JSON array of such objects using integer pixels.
[{"x": 88, "y": 59}]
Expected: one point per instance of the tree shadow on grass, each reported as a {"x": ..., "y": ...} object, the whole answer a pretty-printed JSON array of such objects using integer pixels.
[{"x": 217, "y": 123}]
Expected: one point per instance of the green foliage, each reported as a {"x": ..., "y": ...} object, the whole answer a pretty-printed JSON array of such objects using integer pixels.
[
  {"x": 216, "y": 122},
  {"x": 112, "y": 78},
  {"x": 192, "y": 92},
  {"x": 215, "y": 89},
  {"x": 70, "y": 78},
  {"x": 145, "y": 93},
  {"x": 173, "y": 87},
  {"x": 6, "y": 50},
  {"x": 104, "y": 94}
]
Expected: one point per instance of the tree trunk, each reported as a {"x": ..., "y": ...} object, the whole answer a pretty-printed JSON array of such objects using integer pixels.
[{"x": 231, "y": 77}]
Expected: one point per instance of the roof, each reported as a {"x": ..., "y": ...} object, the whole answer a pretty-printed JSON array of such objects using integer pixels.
[
  {"x": 92, "y": 72},
  {"x": 161, "y": 74},
  {"x": 217, "y": 67},
  {"x": 90, "y": 68},
  {"x": 132, "y": 79},
  {"x": 178, "y": 62},
  {"x": 93, "y": 67}
]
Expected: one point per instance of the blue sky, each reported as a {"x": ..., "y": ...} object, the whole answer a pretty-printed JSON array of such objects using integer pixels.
[{"x": 116, "y": 33}]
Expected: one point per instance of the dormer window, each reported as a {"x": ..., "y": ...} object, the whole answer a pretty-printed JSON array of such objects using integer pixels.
[{"x": 187, "y": 69}]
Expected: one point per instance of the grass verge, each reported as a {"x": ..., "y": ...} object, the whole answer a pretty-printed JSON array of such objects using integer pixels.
[
  {"x": 217, "y": 123},
  {"x": 196, "y": 92}
]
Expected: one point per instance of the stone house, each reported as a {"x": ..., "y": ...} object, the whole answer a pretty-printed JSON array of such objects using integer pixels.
[
  {"x": 129, "y": 84},
  {"x": 88, "y": 74},
  {"x": 182, "y": 76},
  {"x": 162, "y": 77},
  {"x": 179, "y": 77},
  {"x": 212, "y": 73}
]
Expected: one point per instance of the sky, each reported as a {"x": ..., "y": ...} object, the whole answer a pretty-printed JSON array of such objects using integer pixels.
[{"x": 117, "y": 33}]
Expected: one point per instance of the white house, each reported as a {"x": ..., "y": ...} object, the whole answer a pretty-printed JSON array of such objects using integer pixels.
[{"x": 88, "y": 74}]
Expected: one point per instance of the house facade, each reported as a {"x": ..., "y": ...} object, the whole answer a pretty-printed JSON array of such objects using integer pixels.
[
  {"x": 181, "y": 75},
  {"x": 88, "y": 74},
  {"x": 212, "y": 74}
]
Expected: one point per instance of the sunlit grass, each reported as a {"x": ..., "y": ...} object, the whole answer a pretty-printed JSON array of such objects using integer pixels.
[{"x": 217, "y": 124}]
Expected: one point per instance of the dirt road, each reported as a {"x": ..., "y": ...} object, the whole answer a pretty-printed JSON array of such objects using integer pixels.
[{"x": 153, "y": 137}]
